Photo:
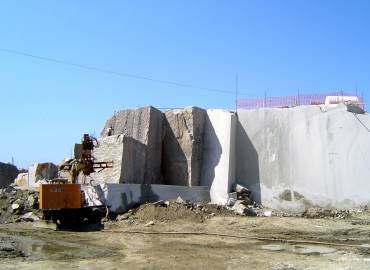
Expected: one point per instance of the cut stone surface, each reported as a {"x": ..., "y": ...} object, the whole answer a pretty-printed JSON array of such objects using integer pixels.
[
  {"x": 320, "y": 153},
  {"x": 137, "y": 153},
  {"x": 109, "y": 149},
  {"x": 8, "y": 173},
  {"x": 129, "y": 158},
  {"x": 183, "y": 146},
  {"x": 218, "y": 168},
  {"x": 41, "y": 171}
]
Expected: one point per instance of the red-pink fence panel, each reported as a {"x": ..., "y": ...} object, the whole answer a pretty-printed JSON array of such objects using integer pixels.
[{"x": 290, "y": 101}]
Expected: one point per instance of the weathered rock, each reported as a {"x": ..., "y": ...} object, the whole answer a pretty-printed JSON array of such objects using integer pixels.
[
  {"x": 31, "y": 201},
  {"x": 150, "y": 223},
  {"x": 41, "y": 171},
  {"x": 317, "y": 212},
  {"x": 240, "y": 209},
  {"x": 233, "y": 197},
  {"x": 241, "y": 189},
  {"x": 183, "y": 146},
  {"x": 139, "y": 154},
  {"x": 353, "y": 108},
  {"x": 22, "y": 180},
  {"x": 8, "y": 173},
  {"x": 180, "y": 200},
  {"x": 15, "y": 207},
  {"x": 124, "y": 216},
  {"x": 29, "y": 217}
]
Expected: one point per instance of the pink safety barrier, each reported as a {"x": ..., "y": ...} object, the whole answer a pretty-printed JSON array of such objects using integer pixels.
[{"x": 290, "y": 101}]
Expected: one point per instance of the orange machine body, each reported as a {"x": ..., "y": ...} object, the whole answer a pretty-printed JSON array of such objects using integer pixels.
[{"x": 60, "y": 196}]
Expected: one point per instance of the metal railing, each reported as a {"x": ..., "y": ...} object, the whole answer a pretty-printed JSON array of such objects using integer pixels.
[{"x": 291, "y": 101}]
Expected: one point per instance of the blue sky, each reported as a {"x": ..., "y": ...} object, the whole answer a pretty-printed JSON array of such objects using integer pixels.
[{"x": 275, "y": 46}]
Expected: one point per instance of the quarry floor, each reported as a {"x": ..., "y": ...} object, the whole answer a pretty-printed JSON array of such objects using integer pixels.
[{"x": 24, "y": 246}]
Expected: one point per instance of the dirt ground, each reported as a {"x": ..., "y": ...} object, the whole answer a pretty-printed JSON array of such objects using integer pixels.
[{"x": 219, "y": 242}]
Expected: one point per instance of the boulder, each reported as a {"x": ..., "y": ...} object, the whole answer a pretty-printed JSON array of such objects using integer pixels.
[
  {"x": 21, "y": 180},
  {"x": 16, "y": 207},
  {"x": 183, "y": 146},
  {"x": 31, "y": 200},
  {"x": 31, "y": 217},
  {"x": 8, "y": 173},
  {"x": 41, "y": 171},
  {"x": 240, "y": 208},
  {"x": 135, "y": 146}
]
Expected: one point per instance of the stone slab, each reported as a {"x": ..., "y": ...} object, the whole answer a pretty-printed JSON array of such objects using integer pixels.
[{"x": 218, "y": 169}]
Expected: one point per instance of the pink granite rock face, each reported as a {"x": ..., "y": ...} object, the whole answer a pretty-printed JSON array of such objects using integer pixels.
[
  {"x": 183, "y": 146},
  {"x": 142, "y": 130}
]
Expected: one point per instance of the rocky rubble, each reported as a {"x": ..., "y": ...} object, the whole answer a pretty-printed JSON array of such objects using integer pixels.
[
  {"x": 178, "y": 209},
  {"x": 241, "y": 202},
  {"x": 318, "y": 212},
  {"x": 18, "y": 205}
]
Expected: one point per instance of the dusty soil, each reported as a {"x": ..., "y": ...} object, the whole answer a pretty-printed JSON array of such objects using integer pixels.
[
  {"x": 169, "y": 211},
  {"x": 219, "y": 242}
]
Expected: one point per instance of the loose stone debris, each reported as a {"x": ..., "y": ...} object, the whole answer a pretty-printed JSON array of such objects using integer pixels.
[
  {"x": 179, "y": 209},
  {"x": 19, "y": 205},
  {"x": 168, "y": 211}
]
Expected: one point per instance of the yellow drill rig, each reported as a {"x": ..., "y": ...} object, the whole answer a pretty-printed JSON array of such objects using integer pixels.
[{"x": 62, "y": 200}]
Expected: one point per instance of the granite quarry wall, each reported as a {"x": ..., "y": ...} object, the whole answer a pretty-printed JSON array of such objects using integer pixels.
[
  {"x": 309, "y": 154},
  {"x": 313, "y": 155},
  {"x": 188, "y": 147}
]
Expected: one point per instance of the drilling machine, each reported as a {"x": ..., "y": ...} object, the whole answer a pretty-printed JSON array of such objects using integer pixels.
[{"x": 62, "y": 200}]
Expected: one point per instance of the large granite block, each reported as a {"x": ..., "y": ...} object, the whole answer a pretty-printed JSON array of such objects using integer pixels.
[
  {"x": 41, "y": 171},
  {"x": 142, "y": 133},
  {"x": 183, "y": 146},
  {"x": 128, "y": 156}
]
